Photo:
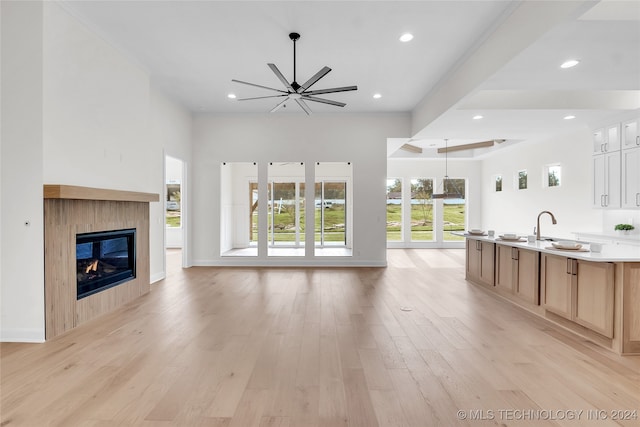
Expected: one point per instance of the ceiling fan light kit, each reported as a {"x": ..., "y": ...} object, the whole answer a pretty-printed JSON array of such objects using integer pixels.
[{"x": 295, "y": 91}]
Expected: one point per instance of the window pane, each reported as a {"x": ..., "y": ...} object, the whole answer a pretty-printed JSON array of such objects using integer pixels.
[
  {"x": 421, "y": 209},
  {"x": 455, "y": 209},
  {"x": 394, "y": 210},
  {"x": 173, "y": 204},
  {"x": 553, "y": 176},
  {"x": 522, "y": 180},
  {"x": 498, "y": 183}
]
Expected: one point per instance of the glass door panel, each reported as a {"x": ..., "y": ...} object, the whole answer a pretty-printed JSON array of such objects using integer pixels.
[
  {"x": 454, "y": 209},
  {"x": 394, "y": 210},
  {"x": 422, "y": 209}
]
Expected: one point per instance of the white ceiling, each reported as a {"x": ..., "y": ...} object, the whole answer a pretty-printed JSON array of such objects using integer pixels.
[{"x": 499, "y": 59}]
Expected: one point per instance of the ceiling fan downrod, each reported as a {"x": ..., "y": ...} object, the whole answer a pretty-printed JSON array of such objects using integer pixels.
[{"x": 294, "y": 37}]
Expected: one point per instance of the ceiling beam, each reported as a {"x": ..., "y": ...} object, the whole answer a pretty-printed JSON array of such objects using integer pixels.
[
  {"x": 462, "y": 147},
  {"x": 411, "y": 148}
]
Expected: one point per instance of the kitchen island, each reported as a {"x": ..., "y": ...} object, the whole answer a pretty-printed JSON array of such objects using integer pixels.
[{"x": 593, "y": 294}]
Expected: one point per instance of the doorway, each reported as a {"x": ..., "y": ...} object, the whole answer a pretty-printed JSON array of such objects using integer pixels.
[{"x": 175, "y": 218}]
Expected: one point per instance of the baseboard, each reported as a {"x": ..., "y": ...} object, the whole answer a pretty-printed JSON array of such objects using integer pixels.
[
  {"x": 288, "y": 262},
  {"x": 22, "y": 335},
  {"x": 157, "y": 277}
]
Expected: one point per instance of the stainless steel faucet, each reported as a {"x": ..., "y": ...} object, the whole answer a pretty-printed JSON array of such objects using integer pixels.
[{"x": 553, "y": 219}]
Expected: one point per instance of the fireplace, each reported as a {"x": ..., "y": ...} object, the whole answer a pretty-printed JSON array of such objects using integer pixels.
[{"x": 104, "y": 260}]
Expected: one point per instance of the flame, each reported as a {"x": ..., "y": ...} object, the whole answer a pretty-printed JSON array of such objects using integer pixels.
[{"x": 92, "y": 267}]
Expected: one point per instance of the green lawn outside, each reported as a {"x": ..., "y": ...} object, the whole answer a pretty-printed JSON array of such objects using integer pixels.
[{"x": 422, "y": 222}]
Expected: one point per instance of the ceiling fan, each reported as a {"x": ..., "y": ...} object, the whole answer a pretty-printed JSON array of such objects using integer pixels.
[{"x": 298, "y": 92}]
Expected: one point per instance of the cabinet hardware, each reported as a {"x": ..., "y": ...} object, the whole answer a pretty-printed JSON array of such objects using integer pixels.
[
  {"x": 638, "y": 140},
  {"x": 574, "y": 267},
  {"x": 568, "y": 265},
  {"x": 602, "y": 200},
  {"x": 602, "y": 148},
  {"x": 637, "y": 199}
]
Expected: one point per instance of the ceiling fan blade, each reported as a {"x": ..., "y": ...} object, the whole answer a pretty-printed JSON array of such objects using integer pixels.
[
  {"x": 322, "y": 100},
  {"x": 304, "y": 106},
  {"x": 253, "y": 84},
  {"x": 260, "y": 97},
  {"x": 281, "y": 77},
  {"x": 317, "y": 76},
  {"x": 331, "y": 90},
  {"x": 281, "y": 104}
]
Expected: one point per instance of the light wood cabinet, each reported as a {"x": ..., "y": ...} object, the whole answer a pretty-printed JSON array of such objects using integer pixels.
[
  {"x": 580, "y": 291},
  {"x": 606, "y": 180},
  {"x": 631, "y": 178},
  {"x": 630, "y": 134},
  {"x": 517, "y": 272},
  {"x": 480, "y": 262},
  {"x": 592, "y": 304}
]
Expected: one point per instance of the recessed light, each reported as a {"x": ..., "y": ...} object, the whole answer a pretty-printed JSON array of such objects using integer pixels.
[
  {"x": 406, "y": 37},
  {"x": 231, "y": 96},
  {"x": 570, "y": 63},
  {"x": 478, "y": 117},
  {"x": 569, "y": 117},
  {"x": 377, "y": 96}
]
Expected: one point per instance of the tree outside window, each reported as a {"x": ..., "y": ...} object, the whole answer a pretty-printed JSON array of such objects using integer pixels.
[{"x": 554, "y": 173}]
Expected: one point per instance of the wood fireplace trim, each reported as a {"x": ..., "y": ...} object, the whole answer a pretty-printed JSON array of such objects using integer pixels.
[{"x": 88, "y": 193}]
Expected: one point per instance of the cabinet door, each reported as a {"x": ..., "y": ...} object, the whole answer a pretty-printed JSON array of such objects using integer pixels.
[
  {"x": 598, "y": 181},
  {"x": 528, "y": 271},
  {"x": 487, "y": 263},
  {"x": 612, "y": 142},
  {"x": 593, "y": 296},
  {"x": 504, "y": 267},
  {"x": 613, "y": 187},
  {"x": 598, "y": 141},
  {"x": 473, "y": 259},
  {"x": 556, "y": 284},
  {"x": 631, "y": 178},
  {"x": 630, "y": 135}
]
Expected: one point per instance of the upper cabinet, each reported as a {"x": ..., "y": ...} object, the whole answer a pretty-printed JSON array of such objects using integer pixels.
[
  {"x": 630, "y": 178},
  {"x": 630, "y": 134},
  {"x": 607, "y": 139},
  {"x": 606, "y": 184}
]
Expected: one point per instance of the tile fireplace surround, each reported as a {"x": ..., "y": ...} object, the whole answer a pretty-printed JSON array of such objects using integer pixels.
[{"x": 71, "y": 210}]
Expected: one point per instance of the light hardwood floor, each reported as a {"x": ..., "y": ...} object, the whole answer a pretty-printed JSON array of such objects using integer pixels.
[{"x": 408, "y": 345}]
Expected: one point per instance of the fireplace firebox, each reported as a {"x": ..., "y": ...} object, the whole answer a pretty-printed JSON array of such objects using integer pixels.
[{"x": 104, "y": 260}]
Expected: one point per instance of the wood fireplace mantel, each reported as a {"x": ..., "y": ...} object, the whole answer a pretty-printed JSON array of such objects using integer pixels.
[{"x": 87, "y": 193}]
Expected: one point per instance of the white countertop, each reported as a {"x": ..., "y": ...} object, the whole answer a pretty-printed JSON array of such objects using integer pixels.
[{"x": 610, "y": 253}]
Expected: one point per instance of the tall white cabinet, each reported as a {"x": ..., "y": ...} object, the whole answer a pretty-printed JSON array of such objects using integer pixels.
[
  {"x": 607, "y": 184},
  {"x": 630, "y": 162}
]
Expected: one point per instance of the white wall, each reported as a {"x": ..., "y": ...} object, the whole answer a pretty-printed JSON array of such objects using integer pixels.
[
  {"x": 407, "y": 169},
  {"x": 75, "y": 111},
  {"x": 22, "y": 246},
  {"x": 263, "y": 138},
  {"x": 517, "y": 210},
  {"x": 170, "y": 136}
]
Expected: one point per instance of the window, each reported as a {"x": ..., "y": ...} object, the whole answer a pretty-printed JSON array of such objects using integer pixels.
[
  {"x": 394, "y": 210},
  {"x": 454, "y": 214},
  {"x": 522, "y": 180},
  {"x": 421, "y": 209},
  {"x": 498, "y": 183},
  {"x": 173, "y": 203},
  {"x": 552, "y": 175}
]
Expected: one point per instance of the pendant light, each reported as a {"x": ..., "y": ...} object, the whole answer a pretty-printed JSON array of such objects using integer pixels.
[{"x": 446, "y": 182}]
